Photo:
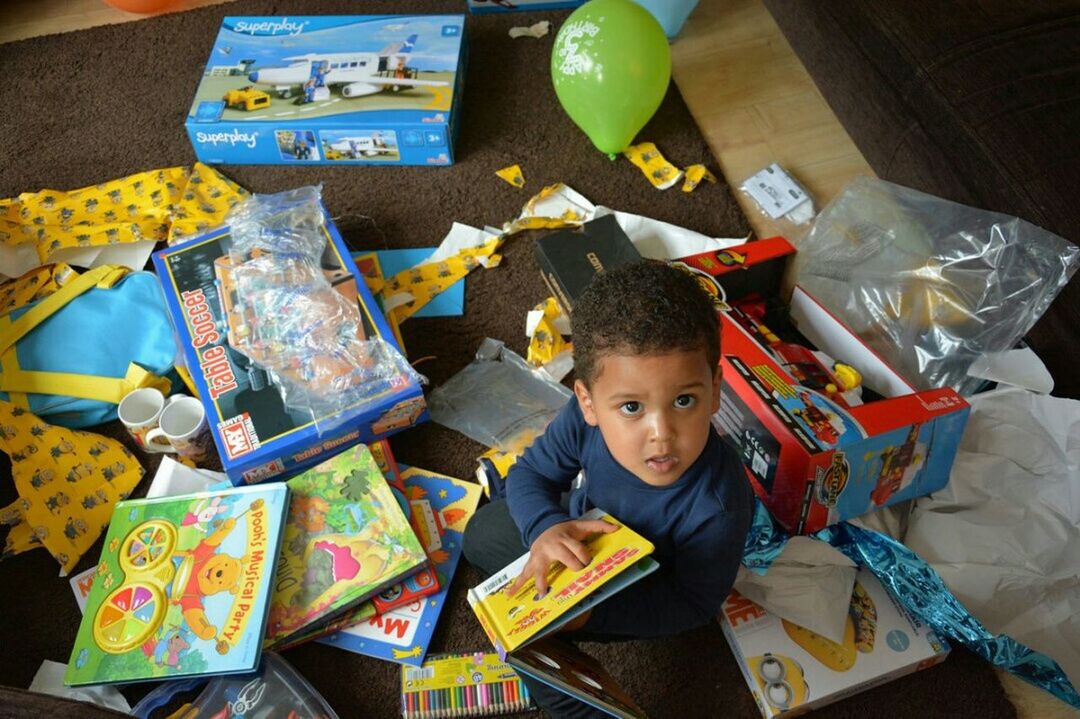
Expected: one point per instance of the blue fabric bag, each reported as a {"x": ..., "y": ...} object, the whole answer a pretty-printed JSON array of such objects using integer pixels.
[{"x": 72, "y": 356}]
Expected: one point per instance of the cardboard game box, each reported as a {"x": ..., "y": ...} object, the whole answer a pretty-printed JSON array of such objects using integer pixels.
[
  {"x": 331, "y": 90},
  {"x": 569, "y": 259},
  {"x": 257, "y": 436},
  {"x": 817, "y": 455},
  {"x": 791, "y": 670},
  {"x": 485, "y": 6}
]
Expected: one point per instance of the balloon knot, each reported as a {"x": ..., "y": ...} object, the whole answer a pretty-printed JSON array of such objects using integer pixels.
[{"x": 611, "y": 156}]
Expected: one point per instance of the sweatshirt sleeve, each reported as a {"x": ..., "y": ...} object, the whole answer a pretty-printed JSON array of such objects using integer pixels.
[
  {"x": 683, "y": 596},
  {"x": 537, "y": 480}
]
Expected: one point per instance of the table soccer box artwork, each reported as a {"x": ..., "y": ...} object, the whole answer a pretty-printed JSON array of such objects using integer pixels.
[
  {"x": 486, "y": 6},
  {"x": 256, "y": 434},
  {"x": 791, "y": 670},
  {"x": 331, "y": 90},
  {"x": 817, "y": 453}
]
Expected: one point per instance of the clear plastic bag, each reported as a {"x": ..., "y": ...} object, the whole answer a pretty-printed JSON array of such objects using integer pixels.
[
  {"x": 498, "y": 399},
  {"x": 288, "y": 319},
  {"x": 929, "y": 284}
]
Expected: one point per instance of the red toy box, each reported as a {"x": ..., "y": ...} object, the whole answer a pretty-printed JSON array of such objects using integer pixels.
[{"x": 815, "y": 452}]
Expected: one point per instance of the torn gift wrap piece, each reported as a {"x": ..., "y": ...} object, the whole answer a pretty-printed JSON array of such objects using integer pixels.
[
  {"x": 536, "y": 30},
  {"x": 115, "y": 222},
  {"x": 694, "y": 175},
  {"x": 545, "y": 337},
  {"x": 68, "y": 481},
  {"x": 647, "y": 158},
  {"x": 512, "y": 175}
]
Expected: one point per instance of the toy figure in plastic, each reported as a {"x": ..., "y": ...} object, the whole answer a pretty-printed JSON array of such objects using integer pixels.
[{"x": 822, "y": 423}]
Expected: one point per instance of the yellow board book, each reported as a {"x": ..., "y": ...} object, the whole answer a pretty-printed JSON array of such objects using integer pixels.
[{"x": 619, "y": 559}]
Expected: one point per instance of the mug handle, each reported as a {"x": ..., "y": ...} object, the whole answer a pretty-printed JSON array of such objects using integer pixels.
[{"x": 152, "y": 446}]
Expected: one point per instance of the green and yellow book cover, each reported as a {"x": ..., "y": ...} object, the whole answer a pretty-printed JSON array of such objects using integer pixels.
[
  {"x": 512, "y": 620},
  {"x": 346, "y": 539}
]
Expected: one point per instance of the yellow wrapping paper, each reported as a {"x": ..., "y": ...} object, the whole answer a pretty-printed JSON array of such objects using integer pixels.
[{"x": 68, "y": 482}]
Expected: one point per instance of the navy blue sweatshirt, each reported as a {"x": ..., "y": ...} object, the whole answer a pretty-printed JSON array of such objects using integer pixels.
[{"x": 698, "y": 524}]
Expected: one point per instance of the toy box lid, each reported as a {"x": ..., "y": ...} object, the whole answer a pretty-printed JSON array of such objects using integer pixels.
[
  {"x": 791, "y": 670},
  {"x": 257, "y": 436},
  {"x": 383, "y": 69}
]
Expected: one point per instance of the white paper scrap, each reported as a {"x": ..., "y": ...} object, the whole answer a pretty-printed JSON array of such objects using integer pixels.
[
  {"x": 535, "y": 30},
  {"x": 50, "y": 680}
]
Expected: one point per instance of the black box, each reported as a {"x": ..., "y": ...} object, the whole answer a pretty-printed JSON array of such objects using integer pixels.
[{"x": 569, "y": 259}]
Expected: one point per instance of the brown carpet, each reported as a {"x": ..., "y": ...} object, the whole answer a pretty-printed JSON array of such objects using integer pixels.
[{"x": 89, "y": 106}]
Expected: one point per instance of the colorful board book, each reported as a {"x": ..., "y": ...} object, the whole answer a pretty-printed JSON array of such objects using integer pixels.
[
  {"x": 560, "y": 664},
  {"x": 183, "y": 587},
  {"x": 421, "y": 584},
  {"x": 619, "y": 559},
  {"x": 462, "y": 685},
  {"x": 444, "y": 506},
  {"x": 346, "y": 539}
]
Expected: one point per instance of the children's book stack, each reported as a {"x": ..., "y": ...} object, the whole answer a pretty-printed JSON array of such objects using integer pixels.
[
  {"x": 441, "y": 507},
  {"x": 346, "y": 539},
  {"x": 462, "y": 685},
  {"x": 182, "y": 587}
]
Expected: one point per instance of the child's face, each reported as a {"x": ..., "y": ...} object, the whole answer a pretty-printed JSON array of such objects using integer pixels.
[{"x": 653, "y": 410}]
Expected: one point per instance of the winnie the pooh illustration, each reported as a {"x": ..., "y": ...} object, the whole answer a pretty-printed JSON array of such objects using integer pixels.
[{"x": 210, "y": 573}]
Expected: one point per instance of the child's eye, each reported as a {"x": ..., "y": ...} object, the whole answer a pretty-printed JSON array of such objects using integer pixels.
[
  {"x": 630, "y": 408},
  {"x": 684, "y": 401}
]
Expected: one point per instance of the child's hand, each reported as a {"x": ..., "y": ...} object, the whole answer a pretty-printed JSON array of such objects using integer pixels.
[{"x": 559, "y": 543}]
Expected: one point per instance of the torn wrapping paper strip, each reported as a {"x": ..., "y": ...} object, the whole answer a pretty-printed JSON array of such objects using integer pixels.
[
  {"x": 656, "y": 168},
  {"x": 1005, "y": 533},
  {"x": 809, "y": 584},
  {"x": 543, "y": 327},
  {"x": 559, "y": 206},
  {"x": 115, "y": 222},
  {"x": 536, "y": 30}
]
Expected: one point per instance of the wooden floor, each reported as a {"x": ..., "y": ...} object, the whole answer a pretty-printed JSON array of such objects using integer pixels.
[{"x": 750, "y": 95}]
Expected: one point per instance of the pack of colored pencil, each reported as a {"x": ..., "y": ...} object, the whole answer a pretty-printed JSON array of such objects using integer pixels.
[{"x": 461, "y": 685}]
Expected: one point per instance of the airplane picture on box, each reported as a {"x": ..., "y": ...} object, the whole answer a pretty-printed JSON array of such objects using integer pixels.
[
  {"x": 358, "y": 74},
  {"x": 353, "y": 145}
]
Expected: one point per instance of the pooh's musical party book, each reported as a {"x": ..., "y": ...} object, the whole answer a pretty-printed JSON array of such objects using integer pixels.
[
  {"x": 182, "y": 587},
  {"x": 619, "y": 559},
  {"x": 346, "y": 539}
]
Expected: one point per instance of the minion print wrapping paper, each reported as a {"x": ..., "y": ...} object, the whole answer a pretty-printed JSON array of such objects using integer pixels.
[
  {"x": 168, "y": 204},
  {"x": 67, "y": 480}
]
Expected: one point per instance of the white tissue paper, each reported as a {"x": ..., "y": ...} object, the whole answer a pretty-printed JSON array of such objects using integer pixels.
[{"x": 809, "y": 584}]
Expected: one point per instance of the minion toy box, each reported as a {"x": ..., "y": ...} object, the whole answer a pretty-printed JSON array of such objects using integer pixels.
[
  {"x": 825, "y": 428},
  {"x": 257, "y": 435},
  {"x": 791, "y": 670},
  {"x": 331, "y": 90}
]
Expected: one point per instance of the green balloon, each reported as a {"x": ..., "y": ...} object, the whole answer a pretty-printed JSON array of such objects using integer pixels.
[{"x": 611, "y": 65}]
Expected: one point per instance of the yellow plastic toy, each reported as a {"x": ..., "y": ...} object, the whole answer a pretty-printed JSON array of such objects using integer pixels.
[{"x": 247, "y": 98}]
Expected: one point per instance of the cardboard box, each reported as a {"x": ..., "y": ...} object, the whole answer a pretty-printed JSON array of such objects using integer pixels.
[
  {"x": 256, "y": 435},
  {"x": 484, "y": 6},
  {"x": 814, "y": 455},
  {"x": 569, "y": 259},
  {"x": 331, "y": 90},
  {"x": 791, "y": 670}
]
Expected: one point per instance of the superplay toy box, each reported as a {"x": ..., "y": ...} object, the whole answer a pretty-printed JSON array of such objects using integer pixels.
[
  {"x": 791, "y": 670},
  {"x": 818, "y": 453},
  {"x": 257, "y": 436},
  {"x": 483, "y": 6},
  {"x": 331, "y": 90}
]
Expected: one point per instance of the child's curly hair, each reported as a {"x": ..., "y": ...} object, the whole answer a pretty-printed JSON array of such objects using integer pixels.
[{"x": 643, "y": 308}]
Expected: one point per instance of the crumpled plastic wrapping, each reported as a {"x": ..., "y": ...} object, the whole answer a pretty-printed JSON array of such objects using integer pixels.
[
  {"x": 498, "y": 399},
  {"x": 931, "y": 285},
  {"x": 919, "y": 588},
  {"x": 284, "y": 314}
]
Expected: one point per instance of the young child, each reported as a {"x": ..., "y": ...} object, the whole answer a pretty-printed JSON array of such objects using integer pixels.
[{"x": 646, "y": 357}]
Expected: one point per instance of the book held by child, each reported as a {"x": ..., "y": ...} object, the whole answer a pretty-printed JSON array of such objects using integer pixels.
[
  {"x": 182, "y": 588},
  {"x": 619, "y": 558}
]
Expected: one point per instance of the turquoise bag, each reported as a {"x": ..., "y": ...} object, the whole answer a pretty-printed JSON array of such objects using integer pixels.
[{"x": 71, "y": 357}]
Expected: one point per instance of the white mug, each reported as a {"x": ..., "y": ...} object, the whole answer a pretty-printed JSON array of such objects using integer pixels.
[
  {"x": 184, "y": 429},
  {"x": 140, "y": 411}
]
